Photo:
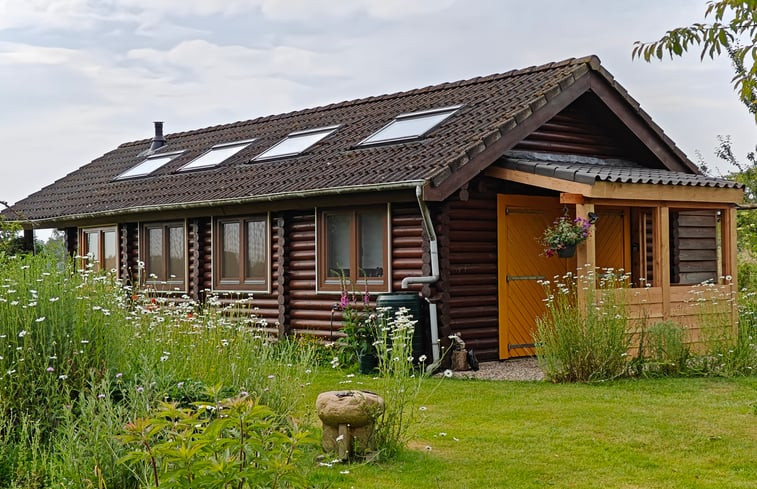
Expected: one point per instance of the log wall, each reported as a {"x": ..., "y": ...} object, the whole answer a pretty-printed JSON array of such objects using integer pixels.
[
  {"x": 467, "y": 229},
  {"x": 585, "y": 128}
]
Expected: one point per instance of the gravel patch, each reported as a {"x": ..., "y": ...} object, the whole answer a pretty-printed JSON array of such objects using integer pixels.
[{"x": 524, "y": 369}]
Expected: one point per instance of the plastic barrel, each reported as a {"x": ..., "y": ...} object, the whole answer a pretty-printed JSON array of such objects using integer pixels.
[{"x": 417, "y": 309}]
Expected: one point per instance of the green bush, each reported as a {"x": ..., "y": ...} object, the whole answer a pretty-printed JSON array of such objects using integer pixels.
[
  {"x": 666, "y": 349},
  {"x": 585, "y": 341},
  {"x": 229, "y": 443}
]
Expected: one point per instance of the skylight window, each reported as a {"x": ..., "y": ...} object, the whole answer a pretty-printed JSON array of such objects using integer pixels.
[
  {"x": 409, "y": 126},
  {"x": 148, "y": 165},
  {"x": 216, "y": 155},
  {"x": 296, "y": 143}
]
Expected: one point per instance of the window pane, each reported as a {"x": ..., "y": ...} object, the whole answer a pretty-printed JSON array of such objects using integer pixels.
[
  {"x": 147, "y": 166},
  {"x": 176, "y": 253},
  {"x": 215, "y": 156},
  {"x": 295, "y": 143},
  {"x": 409, "y": 126},
  {"x": 155, "y": 250},
  {"x": 110, "y": 250},
  {"x": 93, "y": 247},
  {"x": 230, "y": 247},
  {"x": 371, "y": 257},
  {"x": 256, "y": 250},
  {"x": 338, "y": 243}
]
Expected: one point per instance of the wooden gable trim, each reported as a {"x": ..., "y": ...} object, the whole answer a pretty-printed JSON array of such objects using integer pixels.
[
  {"x": 623, "y": 191},
  {"x": 510, "y": 137},
  {"x": 642, "y": 127}
]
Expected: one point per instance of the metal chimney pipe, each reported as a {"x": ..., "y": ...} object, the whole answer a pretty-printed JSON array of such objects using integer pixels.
[{"x": 158, "y": 140}]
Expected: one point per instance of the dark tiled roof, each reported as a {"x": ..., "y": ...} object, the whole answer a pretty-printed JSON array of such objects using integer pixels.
[
  {"x": 491, "y": 106},
  {"x": 588, "y": 170}
]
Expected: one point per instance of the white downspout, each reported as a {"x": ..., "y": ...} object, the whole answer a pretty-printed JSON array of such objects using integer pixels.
[{"x": 428, "y": 279}]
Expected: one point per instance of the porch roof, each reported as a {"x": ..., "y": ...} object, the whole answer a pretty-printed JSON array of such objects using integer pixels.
[
  {"x": 583, "y": 169},
  {"x": 606, "y": 179}
]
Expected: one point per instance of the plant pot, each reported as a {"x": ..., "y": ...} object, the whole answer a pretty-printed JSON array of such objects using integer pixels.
[
  {"x": 367, "y": 363},
  {"x": 567, "y": 252}
]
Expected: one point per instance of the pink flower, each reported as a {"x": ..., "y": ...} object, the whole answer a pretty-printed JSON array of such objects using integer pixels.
[{"x": 344, "y": 301}]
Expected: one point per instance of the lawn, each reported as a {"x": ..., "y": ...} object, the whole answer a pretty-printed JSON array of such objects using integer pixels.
[{"x": 651, "y": 433}]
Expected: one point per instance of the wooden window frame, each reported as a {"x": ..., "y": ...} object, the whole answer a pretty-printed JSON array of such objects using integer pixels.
[
  {"x": 164, "y": 284},
  {"x": 354, "y": 280},
  {"x": 241, "y": 283},
  {"x": 84, "y": 243}
]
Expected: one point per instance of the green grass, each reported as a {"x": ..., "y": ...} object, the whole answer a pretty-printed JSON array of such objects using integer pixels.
[{"x": 652, "y": 433}]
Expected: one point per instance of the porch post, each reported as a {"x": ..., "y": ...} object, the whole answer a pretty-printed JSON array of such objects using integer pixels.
[
  {"x": 728, "y": 228},
  {"x": 661, "y": 266},
  {"x": 730, "y": 256}
]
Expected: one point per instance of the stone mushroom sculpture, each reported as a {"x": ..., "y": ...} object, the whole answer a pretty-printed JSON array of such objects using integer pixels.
[{"x": 349, "y": 419}]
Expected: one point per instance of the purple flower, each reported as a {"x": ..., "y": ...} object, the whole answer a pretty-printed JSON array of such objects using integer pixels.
[
  {"x": 366, "y": 298},
  {"x": 344, "y": 301},
  {"x": 50, "y": 369}
]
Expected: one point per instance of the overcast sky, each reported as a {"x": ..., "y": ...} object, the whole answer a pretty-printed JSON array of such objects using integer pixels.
[{"x": 79, "y": 77}]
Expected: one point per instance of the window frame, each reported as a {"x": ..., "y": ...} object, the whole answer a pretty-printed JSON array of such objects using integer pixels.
[
  {"x": 242, "y": 284},
  {"x": 370, "y": 141},
  {"x": 128, "y": 175},
  {"x": 166, "y": 284},
  {"x": 270, "y": 154},
  {"x": 101, "y": 230},
  {"x": 191, "y": 166},
  {"x": 324, "y": 283}
]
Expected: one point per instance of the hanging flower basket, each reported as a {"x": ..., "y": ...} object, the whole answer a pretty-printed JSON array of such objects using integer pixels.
[
  {"x": 567, "y": 252},
  {"x": 562, "y": 237}
]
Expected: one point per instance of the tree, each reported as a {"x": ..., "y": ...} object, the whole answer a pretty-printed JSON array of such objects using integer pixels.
[{"x": 733, "y": 31}]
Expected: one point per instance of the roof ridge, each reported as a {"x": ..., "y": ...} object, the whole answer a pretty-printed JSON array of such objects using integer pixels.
[{"x": 591, "y": 60}]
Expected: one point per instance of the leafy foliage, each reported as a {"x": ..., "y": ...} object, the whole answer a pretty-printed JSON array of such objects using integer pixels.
[
  {"x": 733, "y": 31},
  {"x": 233, "y": 442}
]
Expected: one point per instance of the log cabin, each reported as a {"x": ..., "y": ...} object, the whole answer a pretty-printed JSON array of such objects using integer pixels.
[{"x": 442, "y": 191}]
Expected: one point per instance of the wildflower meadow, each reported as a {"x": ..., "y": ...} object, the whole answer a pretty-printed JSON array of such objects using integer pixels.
[{"x": 104, "y": 385}]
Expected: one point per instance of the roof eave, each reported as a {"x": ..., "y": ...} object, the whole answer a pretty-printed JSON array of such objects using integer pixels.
[{"x": 281, "y": 196}]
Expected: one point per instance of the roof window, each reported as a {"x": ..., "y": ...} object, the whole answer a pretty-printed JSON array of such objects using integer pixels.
[
  {"x": 216, "y": 155},
  {"x": 296, "y": 143},
  {"x": 148, "y": 165},
  {"x": 409, "y": 126}
]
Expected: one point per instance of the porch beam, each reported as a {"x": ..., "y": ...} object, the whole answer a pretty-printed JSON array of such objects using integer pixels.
[{"x": 542, "y": 181}]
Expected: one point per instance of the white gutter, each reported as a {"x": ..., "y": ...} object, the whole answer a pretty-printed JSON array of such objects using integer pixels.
[{"x": 428, "y": 226}]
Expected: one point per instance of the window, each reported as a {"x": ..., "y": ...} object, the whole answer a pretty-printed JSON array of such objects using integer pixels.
[
  {"x": 409, "y": 126},
  {"x": 101, "y": 245},
  {"x": 164, "y": 254},
  {"x": 242, "y": 257},
  {"x": 216, "y": 155},
  {"x": 353, "y": 248},
  {"x": 148, "y": 165},
  {"x": 295, "y": 143}
]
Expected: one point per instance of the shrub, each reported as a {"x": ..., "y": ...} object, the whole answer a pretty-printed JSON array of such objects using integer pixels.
[
  {"x": 584, "y": 341},
  {"x": 666, "y": 349},
  {"x": 230, "y": 443}
]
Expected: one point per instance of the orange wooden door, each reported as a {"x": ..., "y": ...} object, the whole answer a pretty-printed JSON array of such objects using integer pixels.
[
  {"x": 521, "y": 222},
  {"x": 613, "y": 242}
]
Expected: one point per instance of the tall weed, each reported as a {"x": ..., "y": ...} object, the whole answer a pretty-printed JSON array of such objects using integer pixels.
[
  {"x": 584, "y": 340},
  {"x": 398, "y": 381}
]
